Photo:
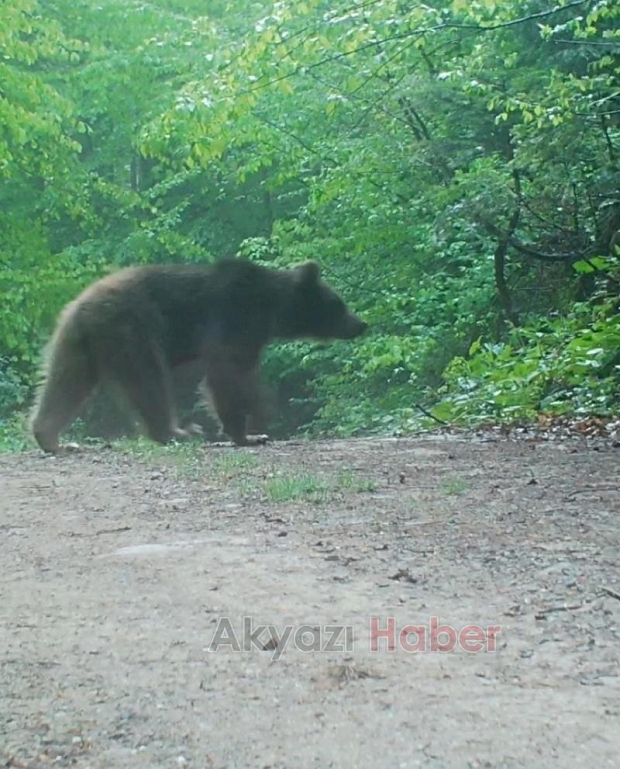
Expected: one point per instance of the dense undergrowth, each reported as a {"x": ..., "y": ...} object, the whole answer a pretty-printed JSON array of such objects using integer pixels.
[{"x": 453, "y": 166}]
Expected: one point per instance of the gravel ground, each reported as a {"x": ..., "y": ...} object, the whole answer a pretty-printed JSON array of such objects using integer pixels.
[{"x": 205, "y": 606}]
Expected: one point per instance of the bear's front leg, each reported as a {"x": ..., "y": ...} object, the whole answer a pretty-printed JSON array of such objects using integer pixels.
[
  {"x": 234, "y": 393},
  {"x": 234, "y": 424}
]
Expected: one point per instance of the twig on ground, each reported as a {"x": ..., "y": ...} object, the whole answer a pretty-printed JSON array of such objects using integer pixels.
[
  {"x": 543, "y": 612},
  {"x": 612, "y": 593},
  {"x": 430, "y": 416}
]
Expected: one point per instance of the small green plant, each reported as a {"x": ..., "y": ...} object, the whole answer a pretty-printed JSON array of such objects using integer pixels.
[
  {"x": 347, "y": 480},
  {"x": 291, "y": 487},
  {"x": 233, "y": 462},
  {"x": 288, "y": 488},
  {"x": 187, "y": 456},
  {"x": 454, "y": 486},
  {"x": 190, "y": 456},
  {"x": 148, "y": 449}
]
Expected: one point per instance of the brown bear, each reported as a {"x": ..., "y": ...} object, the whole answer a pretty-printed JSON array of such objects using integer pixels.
[{"x": 132, "y": 327}]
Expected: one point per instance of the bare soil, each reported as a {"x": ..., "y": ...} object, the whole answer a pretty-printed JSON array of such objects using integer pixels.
[{"x": 125, "y": 578}]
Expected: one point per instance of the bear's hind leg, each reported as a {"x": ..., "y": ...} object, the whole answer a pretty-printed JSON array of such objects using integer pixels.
[
  {"x": 145, "y": 378},
  {"x": 69, "y": 381}
]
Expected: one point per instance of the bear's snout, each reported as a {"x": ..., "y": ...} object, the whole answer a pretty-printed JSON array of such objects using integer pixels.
[{"x": 353, "y": 327}]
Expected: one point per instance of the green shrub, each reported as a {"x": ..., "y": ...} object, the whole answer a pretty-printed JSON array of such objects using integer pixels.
[{"x": 564, "y": 365}]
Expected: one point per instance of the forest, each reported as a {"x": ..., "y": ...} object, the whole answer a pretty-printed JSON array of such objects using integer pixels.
[{"x": 454, "y": 167}]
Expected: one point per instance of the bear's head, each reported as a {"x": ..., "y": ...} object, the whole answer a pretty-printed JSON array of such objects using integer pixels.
[{"x": 314, "y": 310}]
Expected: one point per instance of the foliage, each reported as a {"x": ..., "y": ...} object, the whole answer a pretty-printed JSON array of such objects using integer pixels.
[
  {"x": 12, "y": 391},
  {"x": 12, "y": 398},
  {"x": 311, "y": 488},
  {"x": 454, "y": 167},
  {"x": 563, "y": 365}
]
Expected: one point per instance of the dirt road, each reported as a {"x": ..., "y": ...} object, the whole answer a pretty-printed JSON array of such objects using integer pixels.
[{"x": 136, "y": 591}]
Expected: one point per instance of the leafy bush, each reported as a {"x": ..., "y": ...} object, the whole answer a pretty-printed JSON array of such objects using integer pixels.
[
  {"x": 557, "y": 366},
  {"x": 12, "y": 390},
  {"x": 13, "y": 395}
]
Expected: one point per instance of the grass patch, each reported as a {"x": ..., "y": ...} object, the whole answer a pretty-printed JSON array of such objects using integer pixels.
[
  {"x": 232, "y": 462},
  {"x": 287, "y": 488},
  {"x": 186, "y": 456},
  {"x": 147, "y": 449},
  {"x": 191, "y": 457},
  {"x": 347, "y": 480},
  {"x": 294, "y": 487},
  {"x": 454, "y": 486}
]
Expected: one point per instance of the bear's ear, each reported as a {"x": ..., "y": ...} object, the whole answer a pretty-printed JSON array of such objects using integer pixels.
[{"x": 308, "y": 273}]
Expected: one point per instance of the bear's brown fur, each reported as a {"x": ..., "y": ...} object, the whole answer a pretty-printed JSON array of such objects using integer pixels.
[{"x": 133, "y": 326}]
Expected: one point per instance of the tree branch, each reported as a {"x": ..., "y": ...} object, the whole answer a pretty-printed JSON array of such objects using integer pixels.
[{"x": 418, "y": 33}]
